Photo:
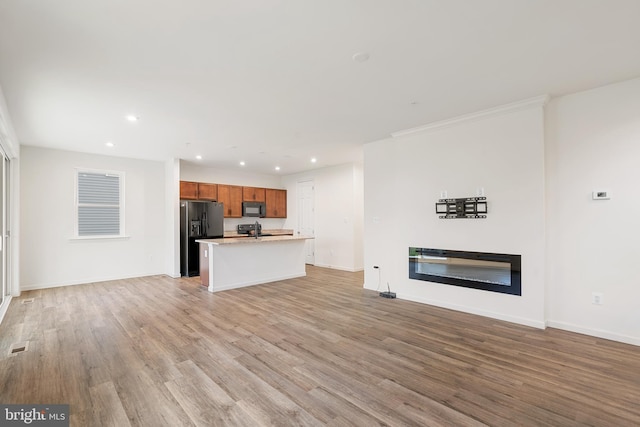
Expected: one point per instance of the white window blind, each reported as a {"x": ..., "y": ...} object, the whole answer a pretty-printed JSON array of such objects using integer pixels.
[{"x": 99, "y": 204}]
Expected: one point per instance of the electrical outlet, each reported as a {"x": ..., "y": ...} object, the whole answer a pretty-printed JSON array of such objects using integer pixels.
[
  {"x": 596, "y": 298},
  {"x": 600, "y": 195}
]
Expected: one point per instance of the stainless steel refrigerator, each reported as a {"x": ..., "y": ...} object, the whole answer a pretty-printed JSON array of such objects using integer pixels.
[{"x": 198, "y": 220}]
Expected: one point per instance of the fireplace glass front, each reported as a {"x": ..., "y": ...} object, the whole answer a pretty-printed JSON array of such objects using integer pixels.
[{"x": 478, "y": 270}]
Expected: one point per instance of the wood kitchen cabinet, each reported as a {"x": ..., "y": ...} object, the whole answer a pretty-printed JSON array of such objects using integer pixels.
[
  {"x": 231, "y": 197},
  {"x": 188, "y": 190},
  {"x": 207, "y": 191},
  {"x": 276, "y": 203},
  {"x": 253, "y": 194},
  {"x": 198, "y": 191}
]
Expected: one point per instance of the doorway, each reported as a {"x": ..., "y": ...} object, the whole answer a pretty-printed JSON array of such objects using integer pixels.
[{"x": 306, "y": 216}]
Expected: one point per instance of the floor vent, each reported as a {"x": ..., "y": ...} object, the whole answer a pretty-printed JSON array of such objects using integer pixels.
[
  {"x": 19, "y": 348},
  {"x": 27, "y": 301}
]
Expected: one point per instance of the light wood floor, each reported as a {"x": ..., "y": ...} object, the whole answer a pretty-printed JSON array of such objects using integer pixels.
[{"x": 318, "y": 350}]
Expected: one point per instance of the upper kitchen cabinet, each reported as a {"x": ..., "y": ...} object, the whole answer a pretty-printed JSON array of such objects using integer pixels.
[
  {"x": 253, "y": 194},
  {"x": 207, "y": 191},
  {"x": 198, "y": 191},
  {"x": 276, "y": 203},
  {"x": 231, "y": 197},
  {"x": 188, "y": 190}
]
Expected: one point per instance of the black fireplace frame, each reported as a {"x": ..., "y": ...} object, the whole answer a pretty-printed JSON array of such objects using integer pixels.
[{"x": 515, "y": 262}]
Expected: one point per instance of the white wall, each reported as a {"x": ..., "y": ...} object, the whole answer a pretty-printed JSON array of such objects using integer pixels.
[
  {"x": 172, "y": 206},
  {"x": 338, "y": 214},
  {"x": 191, "y": 172},
  {"x": 501, "y": 151},
  {"x": 50, "y": 257},
  {"x": 593, "y": 143},
  {"x": 358, "y": 217}
]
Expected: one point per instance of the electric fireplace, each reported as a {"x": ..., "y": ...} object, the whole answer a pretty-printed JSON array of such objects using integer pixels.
[{"x": 478, "y": 270}]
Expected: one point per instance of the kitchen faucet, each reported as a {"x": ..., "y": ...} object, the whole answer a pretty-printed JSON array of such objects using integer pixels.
[{"x": 256, "y": 229}]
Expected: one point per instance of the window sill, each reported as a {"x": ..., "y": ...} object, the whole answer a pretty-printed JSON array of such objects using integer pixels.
[{"x": 84, "y": 238}]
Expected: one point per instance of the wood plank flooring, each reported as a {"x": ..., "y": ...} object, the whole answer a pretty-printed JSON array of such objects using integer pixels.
[{"x": 318, "y": 350}]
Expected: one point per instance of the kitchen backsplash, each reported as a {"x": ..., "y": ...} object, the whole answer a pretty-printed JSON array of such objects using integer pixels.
[{"x": 230, "y": 224}]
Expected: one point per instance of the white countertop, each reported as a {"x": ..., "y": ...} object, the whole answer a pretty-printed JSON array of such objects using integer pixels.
[{"x": 252, "y": 240}]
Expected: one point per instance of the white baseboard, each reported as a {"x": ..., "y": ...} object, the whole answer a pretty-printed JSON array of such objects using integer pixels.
[
  {"x": 527, "y": 322},
  {"x": 465, "y": 309},
  {"x": 337, "y": 267},
  {"x": 370, "y": 288},
  {"x": 594, "y": 332},
  {"x": 35, "y": 286},
  {"x": 256, "y": 282},
  {"x": 4, "y": 307}
]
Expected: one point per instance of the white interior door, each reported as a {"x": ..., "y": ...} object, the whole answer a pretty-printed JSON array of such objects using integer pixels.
[{"x": 306, "y": 217}]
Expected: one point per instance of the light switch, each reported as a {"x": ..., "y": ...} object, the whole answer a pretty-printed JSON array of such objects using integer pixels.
[{"x": 601, "y": 195}]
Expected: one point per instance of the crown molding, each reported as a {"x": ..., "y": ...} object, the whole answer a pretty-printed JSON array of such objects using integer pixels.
[{"x": 536, "y": 102}]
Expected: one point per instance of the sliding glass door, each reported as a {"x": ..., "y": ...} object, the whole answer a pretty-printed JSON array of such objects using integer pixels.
[{"x": 4, "y": 241}]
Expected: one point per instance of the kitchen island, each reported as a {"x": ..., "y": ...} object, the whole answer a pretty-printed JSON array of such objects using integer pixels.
[{"x": 235, "y": 262}]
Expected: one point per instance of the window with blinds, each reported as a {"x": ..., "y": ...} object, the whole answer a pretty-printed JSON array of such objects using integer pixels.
[{"x": 99, "y": 204}]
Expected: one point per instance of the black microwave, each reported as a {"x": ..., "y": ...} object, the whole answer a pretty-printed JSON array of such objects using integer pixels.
[{"x": 254, "y": 209}]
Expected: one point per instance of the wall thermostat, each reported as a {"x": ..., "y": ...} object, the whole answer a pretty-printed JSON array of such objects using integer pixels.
[{"x": 601, "y": 195}]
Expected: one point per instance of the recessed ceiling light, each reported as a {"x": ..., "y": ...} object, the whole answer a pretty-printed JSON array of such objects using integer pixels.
[
  {"x": 132, "y": 118},
  {"x": 277, "y": 168},
  {"x": 109, "y": 144},
  {"x": 360, "y": 57},
  {"x": 242, "y": 163},
  {"x": 199, "y": 157},
  {"x": 313, "y": 160}
]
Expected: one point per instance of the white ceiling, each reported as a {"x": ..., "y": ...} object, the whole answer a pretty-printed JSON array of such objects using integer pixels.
[{"x": 272, "y": 82}]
